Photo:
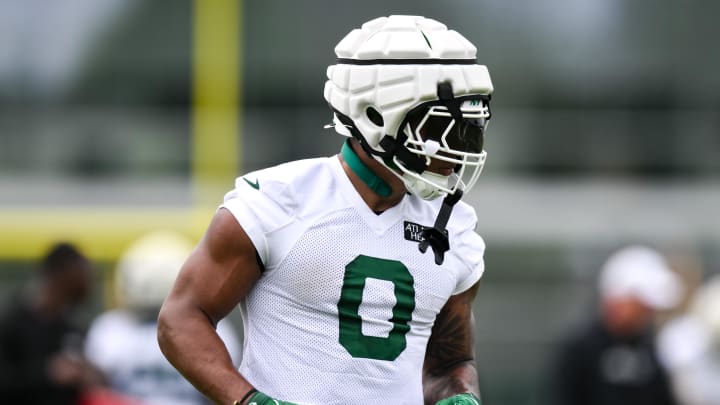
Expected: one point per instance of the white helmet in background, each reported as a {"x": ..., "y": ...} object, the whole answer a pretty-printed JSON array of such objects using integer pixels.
[
  {"x": 147, "y": 270},
  {"x": 410, "y": 90},
  {"x": 705, "y": 306},
  {"x": 643, "y": 273}
]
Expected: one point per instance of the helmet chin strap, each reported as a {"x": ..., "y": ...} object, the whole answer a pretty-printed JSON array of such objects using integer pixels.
[{"x": 437, "y": 237}]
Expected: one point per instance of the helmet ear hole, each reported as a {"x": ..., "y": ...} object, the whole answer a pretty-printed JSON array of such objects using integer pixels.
[{"x": 374, "y": 116}]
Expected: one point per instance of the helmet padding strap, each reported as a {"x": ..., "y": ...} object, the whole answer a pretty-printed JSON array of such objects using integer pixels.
[{"x": 445, "y": 95}]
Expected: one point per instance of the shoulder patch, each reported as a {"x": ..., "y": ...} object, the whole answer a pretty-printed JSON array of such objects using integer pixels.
[{"x": 413, "y": 231}]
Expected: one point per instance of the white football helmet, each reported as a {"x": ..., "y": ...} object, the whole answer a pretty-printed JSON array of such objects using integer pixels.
[
  {"x": 147, "y": 270},
  {"x": 705, "y": 306},
  {"x": 410, "y": 90}
]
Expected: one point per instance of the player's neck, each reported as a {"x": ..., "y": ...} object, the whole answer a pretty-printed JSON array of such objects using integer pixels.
[{"x": 377, "y": 200}]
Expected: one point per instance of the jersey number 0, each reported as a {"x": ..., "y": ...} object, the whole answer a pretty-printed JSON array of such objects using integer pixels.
[{"x": 351, "y": 336}]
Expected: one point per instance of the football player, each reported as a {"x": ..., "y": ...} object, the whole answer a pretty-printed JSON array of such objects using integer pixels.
[{"x": 355, "y": 274}]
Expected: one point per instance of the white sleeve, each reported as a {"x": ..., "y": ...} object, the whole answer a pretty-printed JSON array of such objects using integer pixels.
[
  {"x": 260, "y": 209},
  {"x": 467, "y": 247},
  {"x": 470, "y": 248}
]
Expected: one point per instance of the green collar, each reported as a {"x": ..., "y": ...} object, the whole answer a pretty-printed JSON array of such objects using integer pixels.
[{"x": 376, "y": 184}]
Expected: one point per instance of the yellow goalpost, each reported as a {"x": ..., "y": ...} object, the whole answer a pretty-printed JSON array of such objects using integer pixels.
[{"x": 104, "y": 232}]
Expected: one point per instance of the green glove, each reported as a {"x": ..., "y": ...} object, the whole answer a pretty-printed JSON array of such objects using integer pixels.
[
  {"x": 261, "y": 399},
  {"x": 460, "y": 399}
]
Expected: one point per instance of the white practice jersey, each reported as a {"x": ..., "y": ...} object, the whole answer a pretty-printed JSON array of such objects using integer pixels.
[
  {"x": 126, "y": 350},
  {"x": 345, "y": 305}
]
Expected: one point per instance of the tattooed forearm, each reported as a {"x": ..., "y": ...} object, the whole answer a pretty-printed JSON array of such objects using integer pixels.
[
  {"x": 449, "y": 367},
  {"x": 462, "y": 378},
  {"x": 450, "y": 343}
]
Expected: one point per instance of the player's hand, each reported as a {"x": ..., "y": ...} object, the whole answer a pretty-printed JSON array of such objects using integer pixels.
[
  {"x": 261, "y": 399},
  {"x": 460, "y": 399},
  {"x": 70, "y": 370}
]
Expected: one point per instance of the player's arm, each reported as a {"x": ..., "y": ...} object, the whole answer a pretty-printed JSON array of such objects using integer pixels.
[
  {"x": 449, "y": 367},
  {"x": 216, "y": 276}
]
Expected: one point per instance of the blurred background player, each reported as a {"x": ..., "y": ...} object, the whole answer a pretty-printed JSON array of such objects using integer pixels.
[
  {"x": 123, "y": 343},
  {"x": 690, "y": 347},
  {"x": 614, "y": 360},
  {"x": 41, "y": 359}
]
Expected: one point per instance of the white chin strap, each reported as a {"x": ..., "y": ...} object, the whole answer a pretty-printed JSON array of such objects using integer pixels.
[{"x": 427, "y": 189}]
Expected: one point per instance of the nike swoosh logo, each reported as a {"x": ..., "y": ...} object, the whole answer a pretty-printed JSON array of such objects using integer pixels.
[{"x": 255, "y": 185}]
